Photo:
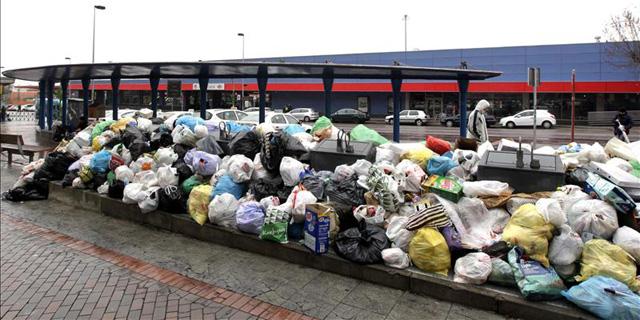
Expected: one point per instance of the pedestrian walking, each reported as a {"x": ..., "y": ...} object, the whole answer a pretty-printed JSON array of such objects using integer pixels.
[{"x": 622, "y": 123}]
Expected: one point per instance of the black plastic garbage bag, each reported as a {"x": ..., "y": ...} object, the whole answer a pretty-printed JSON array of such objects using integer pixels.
[
  {"x": 346, "y": 192},
  {"x": 160, "y": 140},
  {"x": 172, "y": 199},
  {"x": 137, "y": 148},
  {"x": 294, "y": 148},
  {"x": 184, "y": 172},
  {"x": 345, "y": 215},
  {"x": 132, "y": 134},
  {"x": 98, "y": 180},
  {"x": 266, "y": 187},
  {"x": 55, "y": 166},
  {"x": 157, "y": 121},
  {"x": 114, "y": 141},
  {"x": 116, "y": 189},
  {"x": 35, "y": 190},
  {"x": 271, "y": 151},
  {"x": 68, "y": 178},
  {"x": 210, "y": 145},
  {"x": 315, "y": 184},
  {"x": 181, "y": 149},
  {"x": 246, "y": 143},
  {"x": 363, "y": 244}
]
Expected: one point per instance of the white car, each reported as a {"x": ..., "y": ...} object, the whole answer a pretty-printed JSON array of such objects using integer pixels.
[
  {"x": 214, "y": 116},
  {"x": 304, "y": 114},
  {"x": 525, "y": 119},
  {"x": 279, "y": 121},
  {"x": 410, "y": 116},
  {"x": 256, "y": 110},
  {"x": 122, "y": 113},
  {"x": 172, "y": 116}
]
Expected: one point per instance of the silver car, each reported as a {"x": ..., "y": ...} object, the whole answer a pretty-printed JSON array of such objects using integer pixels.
[
  {"x": 304, "y": 114},
  {"x": 410, "y": 116}
]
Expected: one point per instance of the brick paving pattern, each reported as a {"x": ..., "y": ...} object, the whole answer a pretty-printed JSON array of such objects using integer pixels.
[{"x": 48, "y": 275}]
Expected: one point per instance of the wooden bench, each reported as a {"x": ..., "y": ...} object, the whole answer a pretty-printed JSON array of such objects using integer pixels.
[{"x": 13, "y": 143}]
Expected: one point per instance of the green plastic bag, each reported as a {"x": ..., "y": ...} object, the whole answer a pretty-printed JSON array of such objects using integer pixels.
[
  {"x": 636, "y": 168},
  {"x": 100, "y": 127},
  {"x": 274, "y": 231},
  {"x": 191, "y": 183},
  {"x": 501, "y": 273},
  {"x": 321, "y": 124},
  {"x": 364, "y": 134},
  {"x": 534, "y": 280}
]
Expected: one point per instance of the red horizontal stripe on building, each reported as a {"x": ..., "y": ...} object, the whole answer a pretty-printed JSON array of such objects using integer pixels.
[{"x": 480, "y": 87}]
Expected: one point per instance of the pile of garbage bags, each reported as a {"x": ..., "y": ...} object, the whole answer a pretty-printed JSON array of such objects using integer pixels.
[{"x": 418, "y": 205}]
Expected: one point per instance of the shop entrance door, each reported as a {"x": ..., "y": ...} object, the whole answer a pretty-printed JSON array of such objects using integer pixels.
[{"x": 433, "y": 107}]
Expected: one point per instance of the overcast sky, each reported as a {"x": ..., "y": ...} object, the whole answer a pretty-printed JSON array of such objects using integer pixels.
[{"x": 41, "y": 32}]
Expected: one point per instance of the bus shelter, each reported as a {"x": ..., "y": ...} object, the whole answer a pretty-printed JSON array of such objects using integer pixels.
[{"x": 47, "y": 76}]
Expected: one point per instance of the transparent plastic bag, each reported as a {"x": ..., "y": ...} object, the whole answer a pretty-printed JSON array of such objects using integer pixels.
[
  {"x": 486, "y": 188},
  {"x": 167, "y": 176},
  {"x": 297, "y": 201},
  {"x": 565, "y": 248},
  {"x": 396, "y": 258},
  {"x": 370, "y": 214},
  {"x": 148, "y": 178},
  {"x": 133, "y": 193},
  {"x": 396, "y": 232},
  {"x": 290, "y": 170},
  {"x": 222, "y": 210},
  {"x": 551, "y": 211},
  {"x": 240, "y": 168},
  {"x": 165, "y": 156},
  {"x": 412, "y": 176},
  {"x": 629, "y": 240},
  {"x": 150, "y": 201},
  {"x": 361, "y": 167},
  {"x": 473, "y": 268},
  {"x": 124, "y": 174},
  {"x": 593, "y": 216}
]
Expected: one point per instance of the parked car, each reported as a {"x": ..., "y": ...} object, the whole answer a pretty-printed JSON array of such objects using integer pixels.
[
  {"x": 172, "y": 116},
  {"x": 452, "y": 121},
  {"x": 349, "y": 115},
  {"x": 256, "y": 110},
  {"x": 122, "y": 113},
  {"x": 12, "y": 107},
  {"x": 525, "y": 119},
  {"x": 214, "y": 116},
  {"x": 304, "y": 114},
  {"x": 29, "y": 107},
  {"x": 410, "y": 116},
  {"x": 278, "y": 120}
]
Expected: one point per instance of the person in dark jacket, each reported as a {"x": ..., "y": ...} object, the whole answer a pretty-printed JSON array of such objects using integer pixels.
[{"x": 622, "y": 118}]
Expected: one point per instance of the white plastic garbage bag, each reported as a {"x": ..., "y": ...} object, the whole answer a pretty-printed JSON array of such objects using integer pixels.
[
  {"x": 498, "y": 219},
  {"x": 270, "y": 201},
  {"x": 124, "y": 174},
  {"x": 396, "y": 258},
  {"x": 361, "y": 167},
  {"x": 629, "y": 240},
  {"x": 597, "y": 153},
  {"x": 240, "y": 168},
  {"x": 104, "y": 188},
  {"x": 222, "y": 210},
  {"x": 411, "y": 176},
  {"x": 370, "y": 214},
  {"x": 595, "y": 217},
  {"x": 398, "y": 234},
  {"x": 473, "y": 268},
  {"x": 485, "y": 188},
  {"x": 77, "y": 183},
  {"x": 165, "y": 156},
  {"x": 474, "y": 223},
  {"x": 167, "y": 176},
  {"x": 618, "y": 148},
  {"x": 568, "y": 195},
  {"x": 148, "y": 178},
  {"x": 342, "y": 172},
  {"x": 144, "y": 124},
  {"x": 200, "y": 131},
  {"x": 297, "y": 201},
  {"x": 182, "y": 134},
  {"x": 551, "y": 211},
  {"x": 133, "y": 193},
  {"x": 468, "y": 163},
  {"x": 82, "y": 138},
  {"x": 620, "y": 164},
  {"x": 565, "y": 248},
  {"x": 484, "y": 147},
  {"x": 78, "y": 164},
  {"x": 143, "y": 163},
  {"x": 290, "y": 170},
  {"x": 150, "y": 201},
  {"x": 383, "y": 154},
  {"x": 259, "y": 171}
]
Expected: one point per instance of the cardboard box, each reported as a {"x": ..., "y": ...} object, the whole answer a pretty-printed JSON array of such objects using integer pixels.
[
  {"x": 317, "y": 224},
  {"x": 444, "y": 187},
  {"x": 609, "y": 192}
]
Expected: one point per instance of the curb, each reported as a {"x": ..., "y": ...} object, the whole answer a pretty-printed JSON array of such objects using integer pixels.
[{"x": 501, "y": 300}]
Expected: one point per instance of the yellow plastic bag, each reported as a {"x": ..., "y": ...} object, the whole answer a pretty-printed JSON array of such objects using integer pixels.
[
  {"x": 120, "y": 125},
  {"x": 528, "y": 230},
  {"x": 601, "y": 257},
  {"x": 419, "y": 156},
  {"x": 429, "y": 251},
  {"x": 198, "y": 203}
]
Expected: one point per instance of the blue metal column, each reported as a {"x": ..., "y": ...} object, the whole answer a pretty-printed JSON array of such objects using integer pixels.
[
  {"x": 396, "y": 84},
  {"x": 262, "y": 89},
  {"x": 155, "y": 81},
  {"x": 327, "y": 80},
  {"x": 115, "y": 89},
  {"x": 85, "y": 99},
  {"x": 43, "y": 92},
  {"x": 463, "y": 87},
  {"x": 64, "y": 84},
  {"x": 204, "y": 83},
  {"x": 50, "y": 87}
]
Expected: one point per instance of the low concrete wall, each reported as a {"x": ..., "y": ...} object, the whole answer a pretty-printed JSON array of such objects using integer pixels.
[{"x": 488, "y": 297}]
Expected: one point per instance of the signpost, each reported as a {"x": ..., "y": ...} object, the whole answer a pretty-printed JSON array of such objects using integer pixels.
[{"x": 534, "y": 81}]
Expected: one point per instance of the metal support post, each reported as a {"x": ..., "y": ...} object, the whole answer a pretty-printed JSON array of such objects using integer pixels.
[
  {"x": 85, "y": 99},
  {"x": 396, "y": 85},
  {"x": 43, "y": 92},
  {"x": 263, "y": 77},
  {"x": 463, "y": 88},
  {"x": 64, "y": 84},
  {"x": 50, "y": 87},
  {"x": 204, "y": 83},
  {"x": 327, "y": 80},
  {"x": 115, "y": 89}
]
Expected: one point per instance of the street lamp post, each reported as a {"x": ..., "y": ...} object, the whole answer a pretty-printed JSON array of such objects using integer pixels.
[
  {"x": 93, "y": 48},
  {"x": 242, "y": 80},
  {"x": 68, "y": 59},
  {"x": 405, "y": 37}
]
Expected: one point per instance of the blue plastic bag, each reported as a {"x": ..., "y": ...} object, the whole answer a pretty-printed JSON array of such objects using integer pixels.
[
  {"x": 227, "y": 185},
  {"x": 250, "y": 217},
  {"x": 100, "y": 162},
  {"x": 189, "y": 121},
  {"x": 605, "y": 297},
  {"x": 293, "y": 129},
  {"x": 205, "y": 164},
  {"x": 440, "y": 165},
  {"x": 233, "y": 127}
]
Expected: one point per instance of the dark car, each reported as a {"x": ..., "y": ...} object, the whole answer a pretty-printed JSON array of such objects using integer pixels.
[
  {"x": 349, "y": 115},
  {"x": 455, "y": 120}
]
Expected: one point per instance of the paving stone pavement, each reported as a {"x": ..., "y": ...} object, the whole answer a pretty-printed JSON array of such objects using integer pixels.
[{"x": 287, "y": 289}]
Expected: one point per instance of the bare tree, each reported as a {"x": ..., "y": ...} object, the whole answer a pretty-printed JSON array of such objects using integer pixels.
[{"x": 624, "y": 33}]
